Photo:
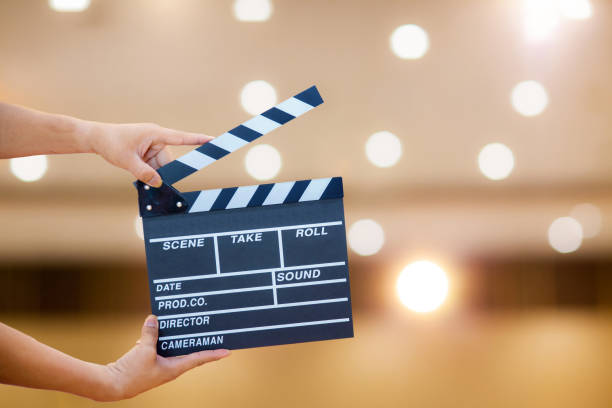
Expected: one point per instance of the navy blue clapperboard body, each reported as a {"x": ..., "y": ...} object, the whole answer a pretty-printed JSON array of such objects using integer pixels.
[{"x": 246, "y": 266}]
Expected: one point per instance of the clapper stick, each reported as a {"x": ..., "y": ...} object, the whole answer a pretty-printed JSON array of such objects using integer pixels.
[
  {"x": 246, "y": 266},
  {"x": 240, "y": 136}
]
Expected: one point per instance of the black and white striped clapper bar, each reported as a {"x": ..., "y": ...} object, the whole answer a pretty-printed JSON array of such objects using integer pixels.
[{"x": 246, "y": 266}]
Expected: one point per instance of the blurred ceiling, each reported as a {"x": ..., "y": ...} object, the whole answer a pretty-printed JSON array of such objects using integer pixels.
[{"x": 183, "y": 64}]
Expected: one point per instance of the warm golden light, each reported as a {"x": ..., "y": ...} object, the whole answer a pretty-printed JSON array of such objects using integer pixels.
[
  {"x": 69, "y": 5},
  {"x": 366, "y": 237},
  {"x": 529, "y": 98},
  {"x": 263, "y": 162},
  {"x": 496, "y": 161},
  {"x": 29, "y": 168},
  {"x": 589, "y": 217},
  {"x": 257, "y": 97},
  {"x": 409, "y": 41},
  {"x": 422, "y": 286},
  {"x": 138, "y": 229},
  {"x": 576, "y": 9},
  {"x": 383, "y": 149},
  {"x": 541, "y": 18},
  {"x": 252, "y": 10},
  {"x": 565, "y": 235}
]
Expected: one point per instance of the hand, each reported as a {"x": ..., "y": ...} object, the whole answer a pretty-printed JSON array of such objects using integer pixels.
[
  {"x": 141, "y": 368},
  {"x": 140, "y": 148}
]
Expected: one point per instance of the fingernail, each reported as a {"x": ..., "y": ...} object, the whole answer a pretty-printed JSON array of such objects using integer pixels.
[
  {"x": 151, "y": 321},
  {"x": 224, "y": 352},
  {"x": 155, "y": 182}
]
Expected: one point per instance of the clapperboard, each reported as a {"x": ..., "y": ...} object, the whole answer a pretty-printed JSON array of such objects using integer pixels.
[{"x": 246, "y": 266}]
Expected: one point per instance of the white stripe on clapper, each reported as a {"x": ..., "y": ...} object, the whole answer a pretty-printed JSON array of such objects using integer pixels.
[
  {"x": 218, "y": 268},
  {"x": 228, "y": 142},
  {"x": 205, "y": 200},
  {"x": 259, "y": 328},
  {"x": 261, "y": 124},
  {"x": 241, "y": 197},
  {"x": 251, "y": 289},
  {"x": 196, "y": 159},
  {"x": 315, "y": 189},
  {"x": 279, "y": 192},
  {"x": 294, "y": 107},
  {"x": 251, "y": 308}
]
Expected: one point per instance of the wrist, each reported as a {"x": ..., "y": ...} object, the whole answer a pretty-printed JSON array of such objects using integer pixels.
[
  {"x": 86, "y": 135},
  {"x": 100, "y": 384}
]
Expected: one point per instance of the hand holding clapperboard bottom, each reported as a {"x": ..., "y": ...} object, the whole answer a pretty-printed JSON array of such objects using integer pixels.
[{"x": 246, "y": 266}]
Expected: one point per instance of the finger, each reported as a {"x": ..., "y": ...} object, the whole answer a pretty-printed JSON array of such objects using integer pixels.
[
  {"x": 149, "y": 332},
  {"x": 187, "y": 362},
  {"x": 145, "y": 173},
  {"x": 161, "y": 159},
  {"x": 176, "y": 137}
]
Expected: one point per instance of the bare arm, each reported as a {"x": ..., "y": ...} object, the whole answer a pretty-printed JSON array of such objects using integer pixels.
[
  {"x": 29, "y": 363},
  {"x": 138, "y": 148}
]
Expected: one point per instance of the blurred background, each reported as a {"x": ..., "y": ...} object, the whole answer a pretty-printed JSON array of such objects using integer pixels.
[{"x": 474, "y": 139}]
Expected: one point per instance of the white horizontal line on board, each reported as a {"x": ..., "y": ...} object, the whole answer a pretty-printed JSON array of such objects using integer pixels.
[
  {"x": 249, "y": 272},
  {"x": 218, "y": 234},
  {"x": 258, "y": 328},
  {"x": 247, "y": 309},
  {"x": 251, "y": 289}
]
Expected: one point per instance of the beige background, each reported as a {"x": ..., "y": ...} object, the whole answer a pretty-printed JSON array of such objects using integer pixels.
[{"x": 524, "y": 326}]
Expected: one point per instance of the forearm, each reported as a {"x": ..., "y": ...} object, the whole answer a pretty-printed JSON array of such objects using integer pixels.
[
  {"x": 25, "y": 132},
  {"x": 29, "y": 363}
]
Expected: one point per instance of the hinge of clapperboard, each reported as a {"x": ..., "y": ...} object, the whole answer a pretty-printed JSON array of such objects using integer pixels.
[{"x": 167, "y": 200}]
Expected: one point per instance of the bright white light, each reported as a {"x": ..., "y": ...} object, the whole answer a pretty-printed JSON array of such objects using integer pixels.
[
  {"x": 496, "y": 161},
  {"x": 529, "y": 98},
  {"x": 257, "y": 97},
  {"x": 576, "y": 9},
  {"x": 69, "y": 5},
  {"x": 541, "y": 18},
  {"x": 252, "y": 10},
  {"x": 589, "y": 217},
  {"x": 263, "y": 162},
  {"x": 29, "y": 168},
  {"x": 422, "y": 286},
  {"x": 383, "y": 149},
  {"x": 409, "y": 41},
  {"x": 138, "y": 227},
  {"x": 565, "y": 235},
  {"x": 366, "y": 237}
]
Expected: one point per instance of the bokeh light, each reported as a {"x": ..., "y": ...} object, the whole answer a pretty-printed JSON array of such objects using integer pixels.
[
  {"x": 422, "y": 286},
  {"x": 69, "y": 5},
  {"x": 252, "y": 10},
  {"x": 541, "y": 18},
  {"x": 263, "y": 162},
  {"x": 496, "y": 161},
  {"x": 409, "y": 41},
  {"x": 138, "y": 228},
  {"x": 565, "y": 235},
  {"x": 366, "y": 237},
  {"x": 257, "y": 97},
  {"x": 383, "y": 149},
  {"x": 576, "y": 9},
  {"x": 589, "y": 217},
  {"x": 529, "y": 98},
  {"x": 29, "y": 168}
]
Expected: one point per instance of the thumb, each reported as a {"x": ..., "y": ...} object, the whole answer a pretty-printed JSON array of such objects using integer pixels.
[
  {"x": 145, "y": 173},
  {"x": 149, "y": 332}
]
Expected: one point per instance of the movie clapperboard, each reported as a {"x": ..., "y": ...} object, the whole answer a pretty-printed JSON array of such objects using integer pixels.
[{"x": 246, "y": 266}]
